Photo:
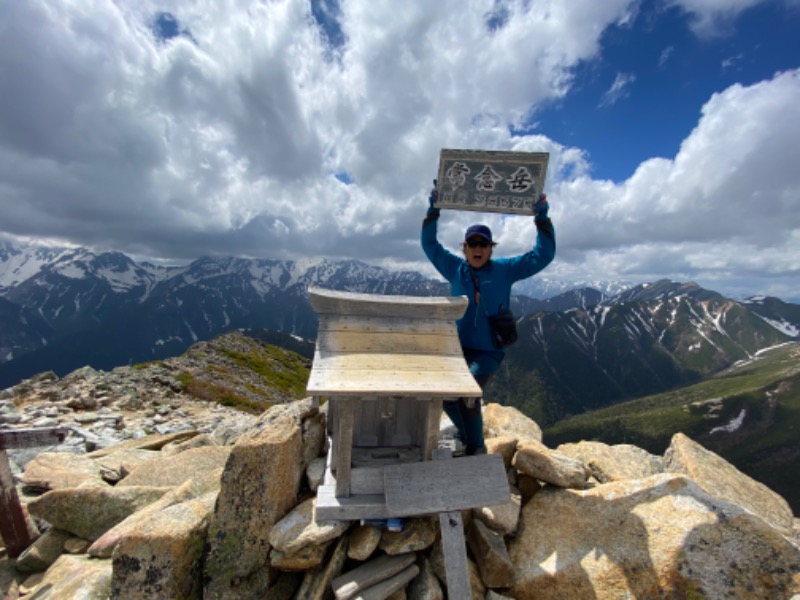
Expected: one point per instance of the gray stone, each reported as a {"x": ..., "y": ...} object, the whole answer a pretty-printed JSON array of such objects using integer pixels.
[
  {"x": 302, "y": 559},
  {"x": 316, "y": 584},
  {"x": 425, "y": 586},
  {"x": 613, "y": 463},
  {"x": 507, "y": 421},
  {"x": 418, "y": 534},
  {"x": 299, "y": 528},
  {"x": 44, "y": 551},
  {"x": 537, "y": 460},
  {"x": 364, "y": 540},
  {"x": 502, "y": 518},
  {"x": 315, "y": 473},
  {"x": 491, "y": 556}
]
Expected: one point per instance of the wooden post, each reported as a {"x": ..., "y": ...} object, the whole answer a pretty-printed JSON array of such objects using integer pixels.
[
  {"x": 454, "y": 546},
  {"x": 14, "y": 524},
  {"x": 345, "y": 417}
]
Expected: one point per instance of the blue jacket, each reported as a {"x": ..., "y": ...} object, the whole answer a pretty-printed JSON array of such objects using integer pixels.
[{"x": 495, "y": 279}]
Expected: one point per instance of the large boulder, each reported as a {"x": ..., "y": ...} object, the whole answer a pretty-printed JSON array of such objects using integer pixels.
[
  {"x": 259, "y": 486},
  {"x": 88, "y": 512},
  {"x": 662, "y": 536},
  {"x": 299, "y": 528},
  {"x": 613, "y": 463},
  {"x": 175, "y": 469},
  {"x": 721, "y": 479},
  {"x": 60, "y": 470},
  {"x": 161, "y": 558},
  {"x": 507, "y": 421},
  {"x": 104, "y": 546},
  {"x": 75, "y": 577}
]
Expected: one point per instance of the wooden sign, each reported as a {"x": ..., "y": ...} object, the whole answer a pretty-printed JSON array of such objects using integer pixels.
[{"x": 491, "y": 181}]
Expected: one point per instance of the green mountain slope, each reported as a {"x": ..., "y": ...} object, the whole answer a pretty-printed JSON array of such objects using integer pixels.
[
  {"x": 749, "y": 414},
  {"x": 653, "y": 338}
]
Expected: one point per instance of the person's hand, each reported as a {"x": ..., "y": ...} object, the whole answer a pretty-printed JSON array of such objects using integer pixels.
[
  {"x": 432, "y": 210},
  {"x": 540, "y": 208}
]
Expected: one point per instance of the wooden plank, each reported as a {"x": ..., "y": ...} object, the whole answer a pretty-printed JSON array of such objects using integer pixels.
[
  {"x": 368, "y": 574},
  {"x": 332, "y": 382},
  {"x": 350, "y": 303},
  {"x": 398, "y": 342},
  {"x": 384, "y": 324},
  {"x": 367, "y": 422},
  {"x": 344, "y": 443},
  {"x": 387, "y": 361},
  {"x": 31, "y": 438},
  {"x": 13, "y": 521},
  {"x": 433, "y": 417},
  {"x": 384, "y": 589},
  {"x": 446, "y": 485},
  {"x": 329, "y": 507},
  {"x": 366, "y": 480},
  {"x": 455, "y": 554},
  {"x": 366, "y": 474},
  {"x": 454, "y": 548},
  {"x": 383, "y": 456}
]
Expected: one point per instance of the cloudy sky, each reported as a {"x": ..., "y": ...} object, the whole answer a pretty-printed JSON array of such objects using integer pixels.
[{"x": 296, "y": 128}]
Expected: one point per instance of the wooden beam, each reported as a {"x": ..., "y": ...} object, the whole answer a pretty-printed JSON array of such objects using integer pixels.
[
  {"x": 16, "y": 528},
  {"x": 433, "y": 417},
  {"x": 343, "y": 438},
  {"x": 14, "y": 525},
  {"x": 454, "y": 547},
  {"x": 31, "y": 438}
]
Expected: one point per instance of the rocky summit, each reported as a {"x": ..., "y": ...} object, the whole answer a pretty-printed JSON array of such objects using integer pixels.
[{"x": 159, "y": 494}]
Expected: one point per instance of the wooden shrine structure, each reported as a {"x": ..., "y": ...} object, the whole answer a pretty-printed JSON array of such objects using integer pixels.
[{"x": 385, "y": 364}]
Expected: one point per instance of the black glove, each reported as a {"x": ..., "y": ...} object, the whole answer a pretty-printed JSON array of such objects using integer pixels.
[
  {"x": 540, "y": 208},
  {"x": 433, "y": 212}
]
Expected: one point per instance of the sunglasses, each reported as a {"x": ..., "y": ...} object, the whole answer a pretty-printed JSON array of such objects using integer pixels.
[{"x": 475, "y": 243}]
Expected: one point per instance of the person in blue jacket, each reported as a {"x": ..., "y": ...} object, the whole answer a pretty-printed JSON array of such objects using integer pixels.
[{"x": 486, "y": 282}]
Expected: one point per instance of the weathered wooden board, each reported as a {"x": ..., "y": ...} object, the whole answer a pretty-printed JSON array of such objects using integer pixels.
[
  {"x": 491, "y": 181},
  {"x": 31, "y": 438},
  {"x": 368, "y": 574},
  {"x": 363, "y": 506},
  {"x": 386, "y": 324},
  {"x": 446, "y": 485},
  {"x": 326, "y": 301},
  {"x": 454, "y": 548},
  {"x": 343, "y": 441},
  {"x": 399, "y": 342},
  {"x": 383, "y": 361},
  {"x": 395, "y": 382}
]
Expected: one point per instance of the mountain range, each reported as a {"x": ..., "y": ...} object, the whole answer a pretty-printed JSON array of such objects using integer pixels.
[{"x": 61, "y": 309}]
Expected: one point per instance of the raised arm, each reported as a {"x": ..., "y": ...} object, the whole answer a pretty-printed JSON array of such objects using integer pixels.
[
  {"x": 444, "y": 261},
  {"x": 544, "y": 249}
]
